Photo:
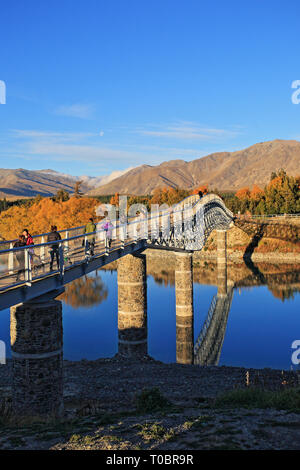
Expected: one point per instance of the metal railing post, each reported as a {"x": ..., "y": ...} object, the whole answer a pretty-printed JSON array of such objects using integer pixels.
[
  {"x": 28, "y": 271},
  {"x": 66, "y": 238},
  {"x": 122, "y": 235},
  {"x": 61, "y": 259},
  {"x": 135, "y": 232},
  {"x": 106, "y": 244},
  {"x": 11, "y": 259},
  {"x": 43, "y": 250}
]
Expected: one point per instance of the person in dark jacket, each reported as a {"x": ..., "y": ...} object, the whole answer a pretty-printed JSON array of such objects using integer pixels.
[
  {"x": 54, "y": 236},
  {"x": 20, "y": 255}
]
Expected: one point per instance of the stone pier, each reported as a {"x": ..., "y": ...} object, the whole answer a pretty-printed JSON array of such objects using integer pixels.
[
  {"x": 184, "y": 308},
  {"x": 222, "y": 262},
  {"x": 37, "y": 358},
  {"x": 132, "y": 306}
]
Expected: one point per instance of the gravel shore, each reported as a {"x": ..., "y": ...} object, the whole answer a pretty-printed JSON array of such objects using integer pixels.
[{"x": 100, "y": 409}]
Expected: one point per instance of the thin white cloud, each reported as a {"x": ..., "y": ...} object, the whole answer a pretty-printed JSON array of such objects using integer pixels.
[
  {"x": 79, "y": 152},
  {"x": 93, "y": 151},
  {"x": 78, "y": 110},
  {"x": 187, "y": 131},
  {"x": 49, "y": 135}
]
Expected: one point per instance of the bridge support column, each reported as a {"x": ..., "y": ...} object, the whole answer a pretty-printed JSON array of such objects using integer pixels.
[
  {"x": 222, "y": 261},
  {"x": 132, "y": 306},
  {"x": 184, "y": 308},
  {"x": 37, "y": 358}
]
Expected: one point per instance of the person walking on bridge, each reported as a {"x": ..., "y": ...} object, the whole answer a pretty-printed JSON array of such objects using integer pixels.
[
  {"x": 29, "y": 241},
  {"x": 107, "y": 227},
  {"x": 20, "y": 255},
  {"x": 54, "y": 236},
  {"x": 90, "y": 228},
  {"x": 28, "y": 237}
]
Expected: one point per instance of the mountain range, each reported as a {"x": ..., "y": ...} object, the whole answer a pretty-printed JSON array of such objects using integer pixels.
[
  {"x": 21, "y": 183},
  {"x": 227, "y": 171}
]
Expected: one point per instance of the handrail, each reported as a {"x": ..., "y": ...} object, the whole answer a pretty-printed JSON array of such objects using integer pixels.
[{"x": 2, "y": 242}]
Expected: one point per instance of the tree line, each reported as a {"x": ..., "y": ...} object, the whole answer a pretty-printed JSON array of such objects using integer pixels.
[{"x": 281, "y": 195}]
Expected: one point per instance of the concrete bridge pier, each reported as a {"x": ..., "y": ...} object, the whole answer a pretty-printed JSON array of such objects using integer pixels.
[
  {"x": 37, "y": 357},
  {"x": 222, "y": 262},
  {"x": 132, "y": 306},
  {"x": 184, "y": 308}
]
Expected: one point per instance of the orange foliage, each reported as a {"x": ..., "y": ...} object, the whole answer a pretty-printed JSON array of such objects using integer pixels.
[
  {"x": 85, "y": 292},
  {"x": 203, "y": 189},
  {"x": 243, "y": 193},
  {"x": 168, "y": 196},
  {"x": 114, "y": 200},
  {"x": 275, "y": 182},
  {"x": 256, "y": 193},
  {"x": 38, "y": 217}
]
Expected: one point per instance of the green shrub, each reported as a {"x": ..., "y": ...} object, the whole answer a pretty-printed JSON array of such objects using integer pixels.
[
  {"x": 151, "y": 400},
  {"x": 288, "y": 399}
]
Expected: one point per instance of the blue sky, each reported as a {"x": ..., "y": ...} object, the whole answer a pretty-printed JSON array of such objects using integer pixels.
[{"x": 95, "y": 86}]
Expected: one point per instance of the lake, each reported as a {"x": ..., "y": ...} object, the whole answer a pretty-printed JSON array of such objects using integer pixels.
[{"x": 263, "y": 321}]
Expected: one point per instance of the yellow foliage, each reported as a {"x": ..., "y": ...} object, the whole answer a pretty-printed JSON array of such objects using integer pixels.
[{"x": 39, "y": 216}]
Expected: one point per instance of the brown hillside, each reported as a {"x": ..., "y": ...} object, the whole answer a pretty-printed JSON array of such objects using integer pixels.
[
  {"x": 225, "y": 171},
  {"x": 26, "y": 183}
]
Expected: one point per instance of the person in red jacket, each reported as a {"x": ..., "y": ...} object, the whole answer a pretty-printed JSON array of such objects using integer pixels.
[
  {"x": 28, "y": 237},
  {"x": 29, "y": 241}
]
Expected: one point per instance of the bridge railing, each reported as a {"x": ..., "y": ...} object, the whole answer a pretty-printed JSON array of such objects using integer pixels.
[
  {"x": 24, "y": 264},
  {"x": 39, "y": 238}
]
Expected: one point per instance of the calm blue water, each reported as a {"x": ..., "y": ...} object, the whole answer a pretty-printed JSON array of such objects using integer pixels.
[{"x": 259, "y": 333}]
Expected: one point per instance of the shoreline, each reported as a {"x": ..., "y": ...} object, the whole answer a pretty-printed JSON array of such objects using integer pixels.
[
  {"x": 101, "y": 412},
  {"x": 98, "y": 378},
  {"x": 270, "y": 257}
]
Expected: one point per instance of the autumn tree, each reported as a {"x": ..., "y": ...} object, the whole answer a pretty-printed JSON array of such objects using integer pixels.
[
  {"x": 61, "y": 196},
  {"x": 168, "y": 196},
  {"x": 77, "y": 191},
  {"x": 38, "y": 217},
  {"x": 203, "y": 188},
  {"x": 282, "y": 194},
  {"x": 114, "y": 200}
]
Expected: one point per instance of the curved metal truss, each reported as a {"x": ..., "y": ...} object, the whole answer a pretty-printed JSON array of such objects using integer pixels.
[{"x": 189, "y": 225}]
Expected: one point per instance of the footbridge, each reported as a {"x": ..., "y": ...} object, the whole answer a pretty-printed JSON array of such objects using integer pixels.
[
  {"x": 30, "y": 288},
  {"x": 185, "y": 228}
]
